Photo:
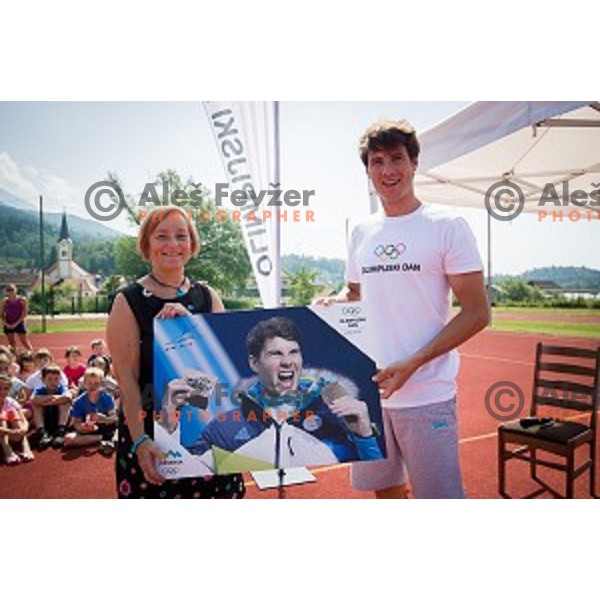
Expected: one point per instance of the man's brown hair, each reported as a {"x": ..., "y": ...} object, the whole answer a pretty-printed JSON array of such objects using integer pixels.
[{"x": 387, "y": 135}]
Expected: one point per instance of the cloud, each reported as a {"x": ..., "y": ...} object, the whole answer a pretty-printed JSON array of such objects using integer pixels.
[
  {"x": 28, "y": 182},
  {"x": 13, "y": 180}
]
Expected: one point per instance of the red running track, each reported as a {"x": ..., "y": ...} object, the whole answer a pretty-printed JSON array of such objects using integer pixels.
[{"x": 486, "y": 359}]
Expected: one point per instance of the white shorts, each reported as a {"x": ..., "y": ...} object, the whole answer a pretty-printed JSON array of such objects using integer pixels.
[{"x": 422, "y": 445}]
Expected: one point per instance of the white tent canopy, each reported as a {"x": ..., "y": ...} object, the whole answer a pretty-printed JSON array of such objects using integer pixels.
[{"x": 528, "y": 143}]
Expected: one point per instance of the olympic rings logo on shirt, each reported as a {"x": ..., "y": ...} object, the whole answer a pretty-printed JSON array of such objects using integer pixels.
[
  {"x": 351, "y": 311},
  {"x": 390, "y": 251}
]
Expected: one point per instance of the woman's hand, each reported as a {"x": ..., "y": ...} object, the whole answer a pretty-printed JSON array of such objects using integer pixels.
[
  {"x": 173, "y": 309},
  {"x": 148, "y": 454}
]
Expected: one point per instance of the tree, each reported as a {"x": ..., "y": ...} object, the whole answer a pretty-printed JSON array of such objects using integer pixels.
[
  {"x": 172, "y": 178},
  {"x": 517, "y": 290},
  {"x": 128, "y": 262},
  {"x": 96, "y": 256},
  {"x": 111, "y": 285},
  {"x": 59, "y": 296},
  {"x": 130, "y": 204},
  {"x": 303, "y": 287},
  {"x": 223, "y": 260}
]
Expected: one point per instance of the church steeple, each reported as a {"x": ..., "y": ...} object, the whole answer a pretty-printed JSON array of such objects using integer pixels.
[
  {"x": 65, "y": 250},
  {"x": 64, "y": 228}
]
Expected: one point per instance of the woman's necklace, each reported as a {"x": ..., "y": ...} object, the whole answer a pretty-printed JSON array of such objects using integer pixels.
[{"x": 178, "y": 288}]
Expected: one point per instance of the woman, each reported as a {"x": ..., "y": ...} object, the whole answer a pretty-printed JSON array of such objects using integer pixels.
[
  {"x": 14, "y": 312},
  {"x": 167, "y": 240}
]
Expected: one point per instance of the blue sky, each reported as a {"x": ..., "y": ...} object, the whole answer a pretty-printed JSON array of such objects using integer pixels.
[{"x": 61, "y": 148}]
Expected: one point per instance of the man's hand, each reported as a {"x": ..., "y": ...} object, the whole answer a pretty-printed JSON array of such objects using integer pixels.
[
  {"x": 324, "y": 301},
  {"x": 349, "y": 293},
  {"x": 394, "y": 376},
  {"x": 354, "y": 412}
]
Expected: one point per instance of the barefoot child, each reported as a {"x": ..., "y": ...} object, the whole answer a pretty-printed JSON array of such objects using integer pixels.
[
  {"x": 94, "y": 415},
  {"x": 13, "y": 426}
]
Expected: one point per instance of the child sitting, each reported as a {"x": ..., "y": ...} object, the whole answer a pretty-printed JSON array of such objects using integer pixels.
[
  {"x": 51, "y": 407},
  {"x": 42, "y": 358},
  {"x": 10, "y": 353},
  {"x": 26, "y": 365},
  {"x": 17, "y": 387},
  {"x": 13, "y": 426},
  {"x": 109, "y": 383},
  {"x": 94, "y": 415},
  {"x": 18, "y": 390},
  {"x": 74, "y": 368},
  {"x": 98, "y": 349}
]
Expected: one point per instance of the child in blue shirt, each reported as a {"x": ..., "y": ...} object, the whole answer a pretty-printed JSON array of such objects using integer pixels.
[
  {"x": 51, "y": 407},
  {"x": 94, "y": 415}
]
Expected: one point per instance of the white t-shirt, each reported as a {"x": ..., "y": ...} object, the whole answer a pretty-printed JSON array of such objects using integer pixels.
[
  {"x": 401, "y": 264},
  {"x": 34, "y": 381}
]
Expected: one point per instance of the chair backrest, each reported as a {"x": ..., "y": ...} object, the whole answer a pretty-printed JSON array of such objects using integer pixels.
[{"x": 566, "y": 378}]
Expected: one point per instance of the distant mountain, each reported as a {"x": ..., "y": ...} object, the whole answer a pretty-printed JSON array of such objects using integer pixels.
[
  {"x": 574, "y": 278},
  {"x": 8, "y": 199},
  {"x": 20, "y": 244},
  {"x": 25, "y": 212},
  {"x": 569, "y": 278}
]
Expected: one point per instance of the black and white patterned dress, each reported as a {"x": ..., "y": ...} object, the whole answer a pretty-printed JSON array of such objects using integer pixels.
[{"x": 131, "y": 482}]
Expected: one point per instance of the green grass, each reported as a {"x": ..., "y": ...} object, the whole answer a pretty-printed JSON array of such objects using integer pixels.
[
  {"x": 558, "y": 312},
  {"x": 66, "y": 325},
  {"x": 554, "y": 327},
  {"x": 586, "y": 330}
]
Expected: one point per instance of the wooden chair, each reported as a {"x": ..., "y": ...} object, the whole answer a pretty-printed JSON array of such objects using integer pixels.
[{"x": 575, "y": 389}]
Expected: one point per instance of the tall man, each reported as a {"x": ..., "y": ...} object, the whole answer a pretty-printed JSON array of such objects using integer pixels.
[{"x": 403, "y": 264}]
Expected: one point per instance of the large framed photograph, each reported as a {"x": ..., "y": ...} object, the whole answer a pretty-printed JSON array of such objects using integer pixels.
[{"x": 264, "y": 389}]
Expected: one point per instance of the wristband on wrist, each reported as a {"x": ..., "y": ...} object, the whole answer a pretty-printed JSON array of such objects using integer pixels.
[{"x": 139, "y": 442}]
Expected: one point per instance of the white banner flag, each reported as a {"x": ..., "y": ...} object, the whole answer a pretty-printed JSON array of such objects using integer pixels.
[{"x": 246, "y": 134}]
